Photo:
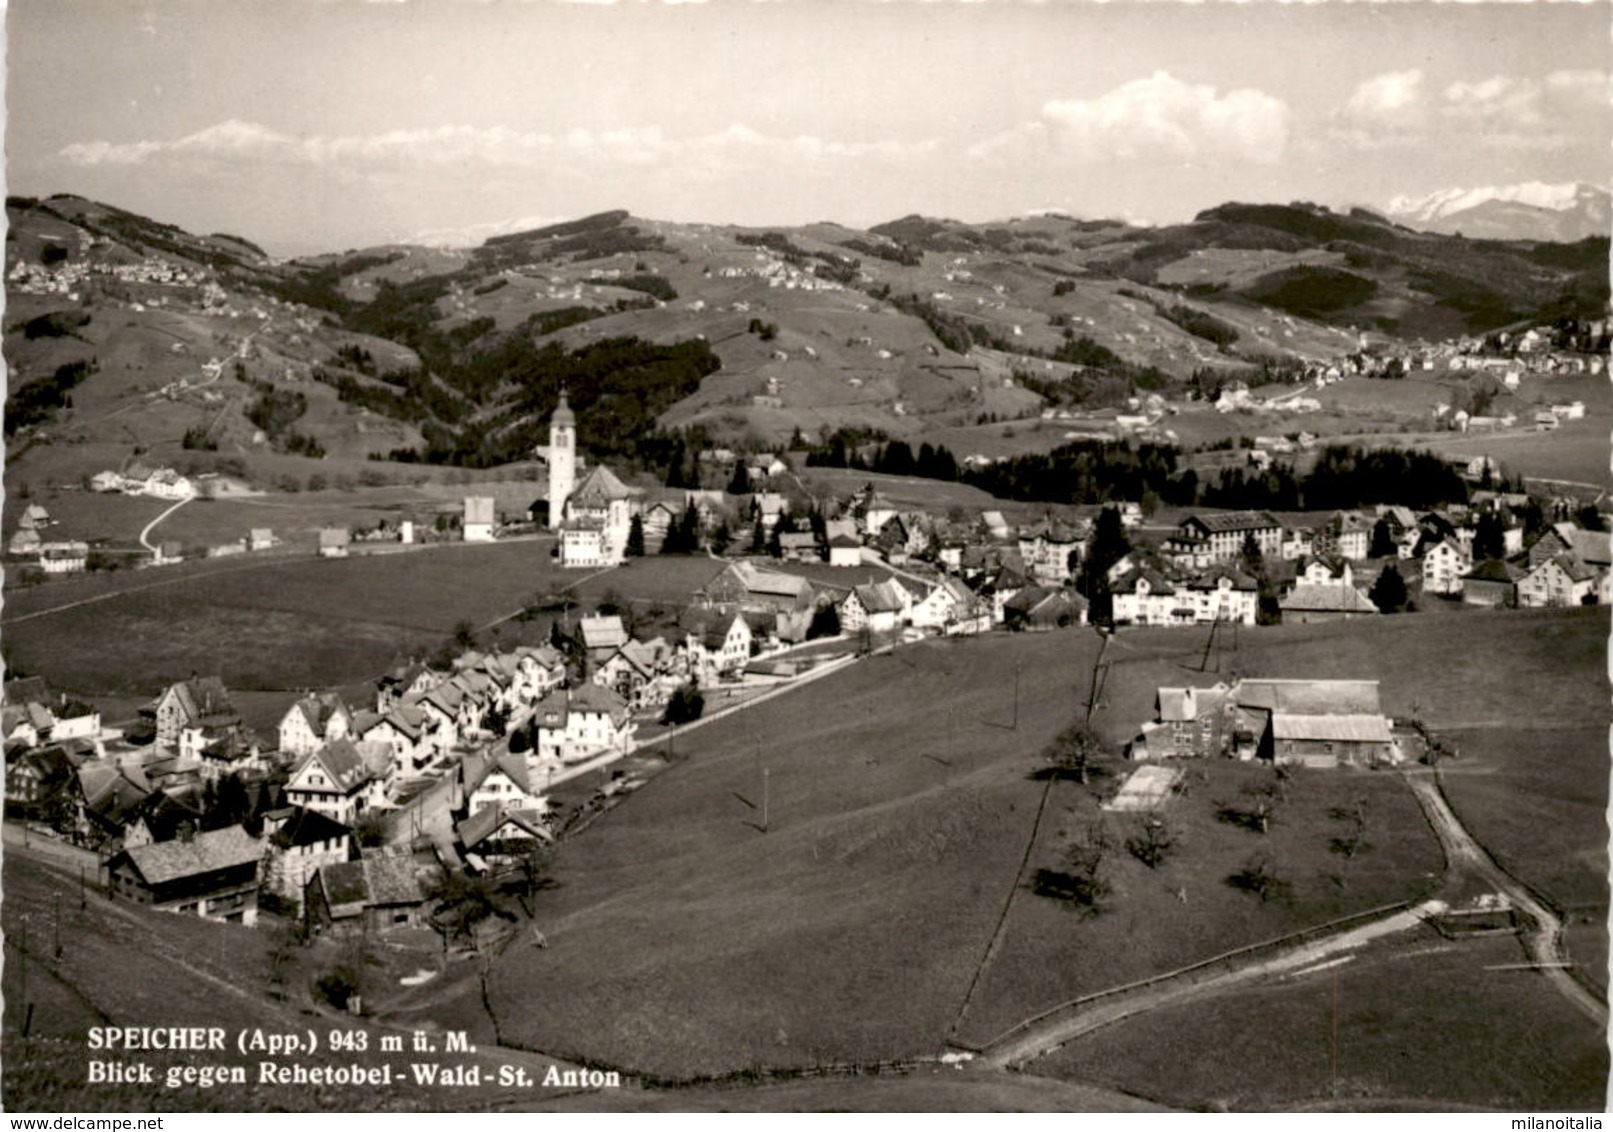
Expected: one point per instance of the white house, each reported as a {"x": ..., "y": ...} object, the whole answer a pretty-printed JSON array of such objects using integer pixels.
[
  {"x": 1444, "y": 566},
  {"x": 480, "y": 518},
  {"x": 579, "y": 724}
]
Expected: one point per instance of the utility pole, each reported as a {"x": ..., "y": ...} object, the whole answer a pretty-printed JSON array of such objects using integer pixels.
[
  {"x": 1099, "y": 670},
  {"x": 765, "y": 773},
  {"x": 1208, "y": 644},
  {"x": 1016, "y": 694}
]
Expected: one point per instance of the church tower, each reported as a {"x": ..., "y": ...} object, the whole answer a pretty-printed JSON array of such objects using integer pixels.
[{"x": 562, "y": 460}]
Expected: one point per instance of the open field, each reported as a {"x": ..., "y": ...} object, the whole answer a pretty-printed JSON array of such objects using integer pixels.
[
  {"x": 1420, "y": 1025},
  {"x": 304, "y": 623},
  {"x": 1185, "y": 910},
  {"x": 1538, "y": 802},
  {"x": 686, "y": 941},
  {"x": 1576, "y": 451}
]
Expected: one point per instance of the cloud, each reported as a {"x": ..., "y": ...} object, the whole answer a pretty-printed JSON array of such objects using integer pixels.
[
  {"x": 1156, "y": 118},
  {"x": 1502, "y": 111},
  {"x": 250, "y": 143}
]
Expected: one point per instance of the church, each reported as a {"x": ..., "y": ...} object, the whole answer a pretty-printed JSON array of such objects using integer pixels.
[{"x": 592, "y": 517}]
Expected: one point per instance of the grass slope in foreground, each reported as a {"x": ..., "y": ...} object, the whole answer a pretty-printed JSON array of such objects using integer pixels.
[{"x": 1430, "y": 1024}]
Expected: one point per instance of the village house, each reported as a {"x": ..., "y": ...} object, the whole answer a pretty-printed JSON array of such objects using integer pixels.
[
  {"x": 494, "y": 837},
  {"x": 499, "y": 781},
  {"x": 64, "y": 557},
  {"x": 213, "y": 875},
  {"x": 195, "y": 704},
  {"x": 845, "y": 551},
  {"x": 299, "y": 843},
  {"x": 1444, "y": 566},
  {"x": 601, "y": 635},
  {"x": 880, "y": 607},
  {"x": 715, "y": 640},
  {"x": 316, "y": 719},
  {"x": 334, "y": 541},
  {"x": 641, "y": 672},
  {"x": 1227, "y": 596},
  {"x": 1556, "y": 582},
  {"x": 342, "y": 779},
  {"x": 413, "y": 738},
  {"x": 1048, "y": 550},
  {"x": 799, "y": 546},
  {"x": 238, "y": 752},
  {"x": 406, "y": 682},
  {"x": 1142, "y": 596},
  {"x": 578, "y": 724}
]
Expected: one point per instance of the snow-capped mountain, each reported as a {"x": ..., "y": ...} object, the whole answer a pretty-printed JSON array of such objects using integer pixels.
[{"x": 1533, "y": 210}]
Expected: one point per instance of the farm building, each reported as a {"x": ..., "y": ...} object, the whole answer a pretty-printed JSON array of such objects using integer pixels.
[
  {"x": 213, "y": 875},
  {"x": 333, "y": 542},
  {"x": 378, "y": 892},
  {"x": 1322, "y": 723},
  {"x": 1325, "y": 601}
]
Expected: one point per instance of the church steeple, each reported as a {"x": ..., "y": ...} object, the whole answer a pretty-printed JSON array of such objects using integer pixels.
[{"x": 562, "y": 459}]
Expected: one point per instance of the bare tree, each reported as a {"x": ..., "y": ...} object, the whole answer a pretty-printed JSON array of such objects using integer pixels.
[
  {"x": 1071, "y": 752},
  {"x": 1153, "y": 842},
  {"x": 1259, "y": 878}
]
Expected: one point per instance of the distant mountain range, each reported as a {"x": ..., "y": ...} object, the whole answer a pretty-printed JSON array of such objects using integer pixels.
[
  {"x": 922, "y": 328},
  {"x": 1533, "y": 210}
]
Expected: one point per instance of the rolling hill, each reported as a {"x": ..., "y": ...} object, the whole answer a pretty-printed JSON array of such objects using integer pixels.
[{"x": 129, "y": 335}]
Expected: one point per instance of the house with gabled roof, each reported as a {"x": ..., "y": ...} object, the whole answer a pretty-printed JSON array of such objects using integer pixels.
[
  {"x": 334, "y": 541},
  {"x": 1222, "y": 594},
  {"x": 1493, "y": 582},
  {"x": 316, "y": 719},
  {"x": 414, "y": 737},
  {"x": 1042, "y": 608},
  {"x": 1048, "y": 547},
  {"x": 1325, "y": 601},
  {"x": 1319, "y": 723},
  {"x": 383, "y": 890},
  {"x": 1144, "y": 596},
  {"x": 880, "y": 607},
  {"x": 580, "y": 723},
  {"x": 498, "y": 779},
  {"x": 404, "y": 682},
  {"x": 214, "y": 875},
  {"x": 342, "y": 779},
  {"x": 1445, "y": 563},
  {"x": 641, "y": 672},
  {"x": 299, "y": 843},
  {"x": 601, "y": 635},
  {"x": 714, "y": 639},
  {"x": 198, "y": 703},
  {"x": 1557, "y": 582},
  {"x": 491, "y": 836}
]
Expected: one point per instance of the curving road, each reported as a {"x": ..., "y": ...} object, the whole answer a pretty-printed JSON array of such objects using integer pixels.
[{"x": 1544, "y": 939}]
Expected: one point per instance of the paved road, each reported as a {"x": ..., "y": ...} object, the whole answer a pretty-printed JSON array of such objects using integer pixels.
[{"x": 1544, "y": 939}]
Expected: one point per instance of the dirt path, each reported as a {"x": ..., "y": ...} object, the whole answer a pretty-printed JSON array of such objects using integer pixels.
[
  {"x": 1064, "y": 1024},
  {"x": 1544, "y": 939},
  {"x": 145, "y": 539}
]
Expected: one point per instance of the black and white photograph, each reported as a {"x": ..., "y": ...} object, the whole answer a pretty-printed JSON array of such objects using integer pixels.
[{"x": 681, "y": 556}]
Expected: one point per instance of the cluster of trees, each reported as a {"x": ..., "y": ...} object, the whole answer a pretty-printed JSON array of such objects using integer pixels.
[
  {"x": 1086, "y": 471},
  {"x": 895, "y": 457},
  {"x": 37, "y": 401}
]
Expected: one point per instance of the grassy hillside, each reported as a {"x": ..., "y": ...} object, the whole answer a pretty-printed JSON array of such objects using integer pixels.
[
  {"x": 1357, "y": 1037},
  {"x": 885, "y": 809}
]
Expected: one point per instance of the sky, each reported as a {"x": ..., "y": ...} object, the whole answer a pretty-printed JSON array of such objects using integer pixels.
[{"x": 321, "y": 125}]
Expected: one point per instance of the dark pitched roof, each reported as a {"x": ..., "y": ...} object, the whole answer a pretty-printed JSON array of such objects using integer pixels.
[
  {"x": 1233, "y": 521},
  {"x": 163, "y": 861},
  {"x": 307, "y": 827}
]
